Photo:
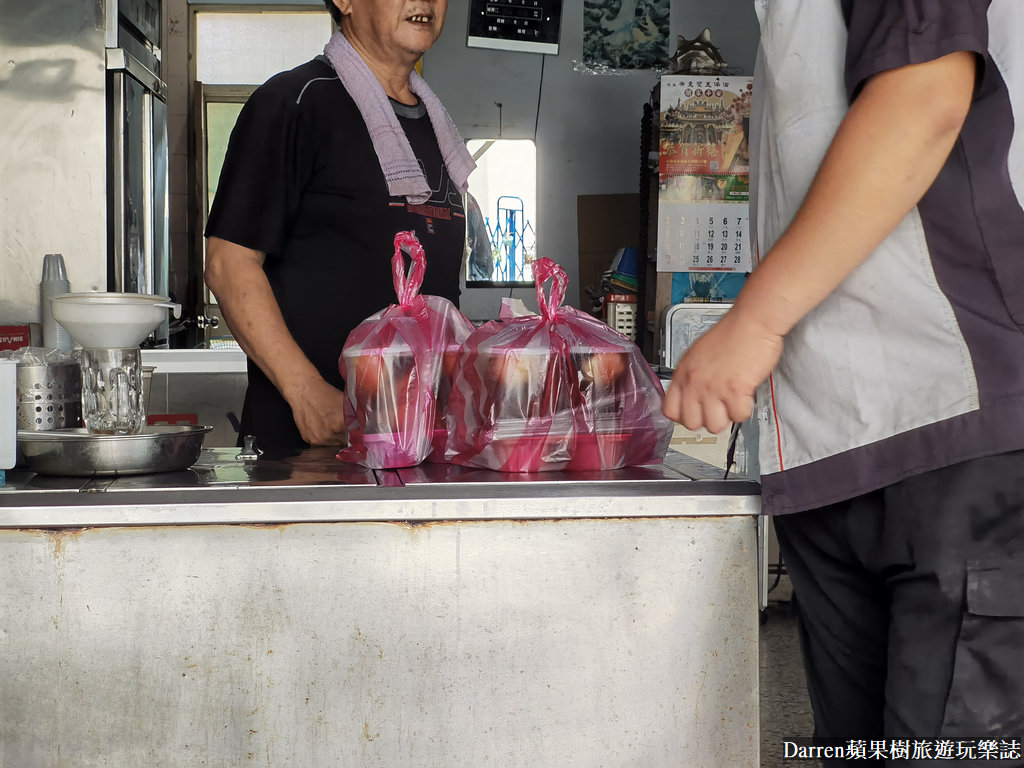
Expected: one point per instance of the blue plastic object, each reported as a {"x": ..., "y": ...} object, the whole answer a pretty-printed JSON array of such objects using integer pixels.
[{"x": 628, "y": 262}]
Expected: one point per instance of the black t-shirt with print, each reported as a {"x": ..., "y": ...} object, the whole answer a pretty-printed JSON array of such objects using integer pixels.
[{"x": 301, "y": 182}]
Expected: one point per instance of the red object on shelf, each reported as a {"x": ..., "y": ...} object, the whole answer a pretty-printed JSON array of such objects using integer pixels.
[
  {"x": 625, "y": 298},
  {"x": 172, "y": 418},
  {"x": 14, "y": 336}
]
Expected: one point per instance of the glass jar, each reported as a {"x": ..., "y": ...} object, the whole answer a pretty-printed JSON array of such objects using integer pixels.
[{"x": 112, "y": 386}]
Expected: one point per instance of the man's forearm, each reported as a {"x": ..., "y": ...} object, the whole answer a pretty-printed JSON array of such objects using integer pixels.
[
  {"x": 255, "y": 319},
  {"x": 887, "y": 152}
]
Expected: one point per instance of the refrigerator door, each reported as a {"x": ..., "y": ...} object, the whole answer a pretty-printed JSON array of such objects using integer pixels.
[{"x": 138, "y": 213}]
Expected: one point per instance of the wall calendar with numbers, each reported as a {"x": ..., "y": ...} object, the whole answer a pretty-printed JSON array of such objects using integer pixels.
[
  {"x": 703, "y": 237},
  {"x": 704, "y": 173}
]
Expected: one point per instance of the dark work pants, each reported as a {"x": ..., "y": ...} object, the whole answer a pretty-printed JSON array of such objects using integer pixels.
[{"x": 911, "y": 606}]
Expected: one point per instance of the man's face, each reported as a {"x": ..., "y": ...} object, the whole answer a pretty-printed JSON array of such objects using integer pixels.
[{"x": 402, "y": 29}]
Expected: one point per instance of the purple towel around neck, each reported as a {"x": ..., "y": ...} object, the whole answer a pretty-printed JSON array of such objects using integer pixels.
[{"x": 401, "y": 169}]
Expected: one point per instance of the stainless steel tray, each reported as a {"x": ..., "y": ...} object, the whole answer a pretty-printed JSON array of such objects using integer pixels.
[
  {"x": 76, "y": 452},
  {"x": 683, "y": 324}
]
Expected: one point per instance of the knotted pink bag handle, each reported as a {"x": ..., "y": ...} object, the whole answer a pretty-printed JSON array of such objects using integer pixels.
[
  {"x": 407, "y": 286},
  {"x": 543, "y": 270}
]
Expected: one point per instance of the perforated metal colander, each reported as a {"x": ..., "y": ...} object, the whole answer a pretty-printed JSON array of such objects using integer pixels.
[{"x": 49, "y": 396}]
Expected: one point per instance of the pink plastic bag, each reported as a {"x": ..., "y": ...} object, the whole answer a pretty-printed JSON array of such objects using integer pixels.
[
  {"x": 559, "y": 390},
  {"x": 396, "y": 376}
]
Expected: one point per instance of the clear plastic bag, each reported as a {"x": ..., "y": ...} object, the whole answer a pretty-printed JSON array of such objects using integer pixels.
[
  {"x": 558, "y": 390},
  {"x": 397, "y": 369}
]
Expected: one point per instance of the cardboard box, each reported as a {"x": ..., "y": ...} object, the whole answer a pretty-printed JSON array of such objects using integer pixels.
[
  {"x": 15, "y": 336},
  {"x": 605, "y": 223}
]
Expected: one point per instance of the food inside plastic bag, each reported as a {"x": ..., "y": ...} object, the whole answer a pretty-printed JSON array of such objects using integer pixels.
[
  {"x": 396, "y": 383},
  {"x": 559, "y": 390},
  {"x": 451, "y": 345}
]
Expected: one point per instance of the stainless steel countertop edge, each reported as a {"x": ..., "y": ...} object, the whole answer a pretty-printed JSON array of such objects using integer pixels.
[
  {"x": 236, "y": 494},
  {"x": 113, "y": 512}
]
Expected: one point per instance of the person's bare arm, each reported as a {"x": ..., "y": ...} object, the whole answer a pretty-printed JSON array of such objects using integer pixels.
[
  {"x": 885, "y": 155},
  {"x": 235, "y": 276}
]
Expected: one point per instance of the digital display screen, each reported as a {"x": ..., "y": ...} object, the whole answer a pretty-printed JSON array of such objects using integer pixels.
[{"x": 515, "y": 25}]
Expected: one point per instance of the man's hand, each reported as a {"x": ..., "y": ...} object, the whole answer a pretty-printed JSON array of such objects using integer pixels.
[
  {"x": 319, "y": 412},
  {"x": 714, "y": 381}
]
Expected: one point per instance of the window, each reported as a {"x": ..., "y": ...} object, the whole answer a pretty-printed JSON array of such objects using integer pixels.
[
  {"x": 504, "y": 189},
  {"x": 248, "y": 46},
  {"x": 221, "y": 105}
]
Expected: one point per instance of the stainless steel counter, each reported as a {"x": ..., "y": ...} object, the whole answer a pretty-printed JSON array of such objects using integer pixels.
[
  {"x": 314, "y": 485},
  {"x": 299, "y": 611}
]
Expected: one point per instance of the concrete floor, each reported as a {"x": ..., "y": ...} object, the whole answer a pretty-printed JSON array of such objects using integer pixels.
[{"x": 785, "y": 708}]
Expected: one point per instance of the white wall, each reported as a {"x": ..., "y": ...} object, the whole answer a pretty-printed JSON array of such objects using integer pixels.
[{"x": 587, "y": 125}]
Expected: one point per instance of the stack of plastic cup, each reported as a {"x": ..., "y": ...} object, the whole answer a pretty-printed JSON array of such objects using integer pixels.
[{"x": 54, "y": 283}]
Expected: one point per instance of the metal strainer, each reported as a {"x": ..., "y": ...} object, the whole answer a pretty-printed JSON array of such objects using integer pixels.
[{"x": 49, "y": 396}]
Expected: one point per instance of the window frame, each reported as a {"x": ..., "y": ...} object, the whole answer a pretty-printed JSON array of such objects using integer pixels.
[
  {"x": 201, "y": 94},
  {"x": 488, "y": 143}
]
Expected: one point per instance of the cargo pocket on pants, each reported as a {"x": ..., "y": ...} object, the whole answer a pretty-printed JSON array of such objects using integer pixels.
[{"x": 986, "y": 696}]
